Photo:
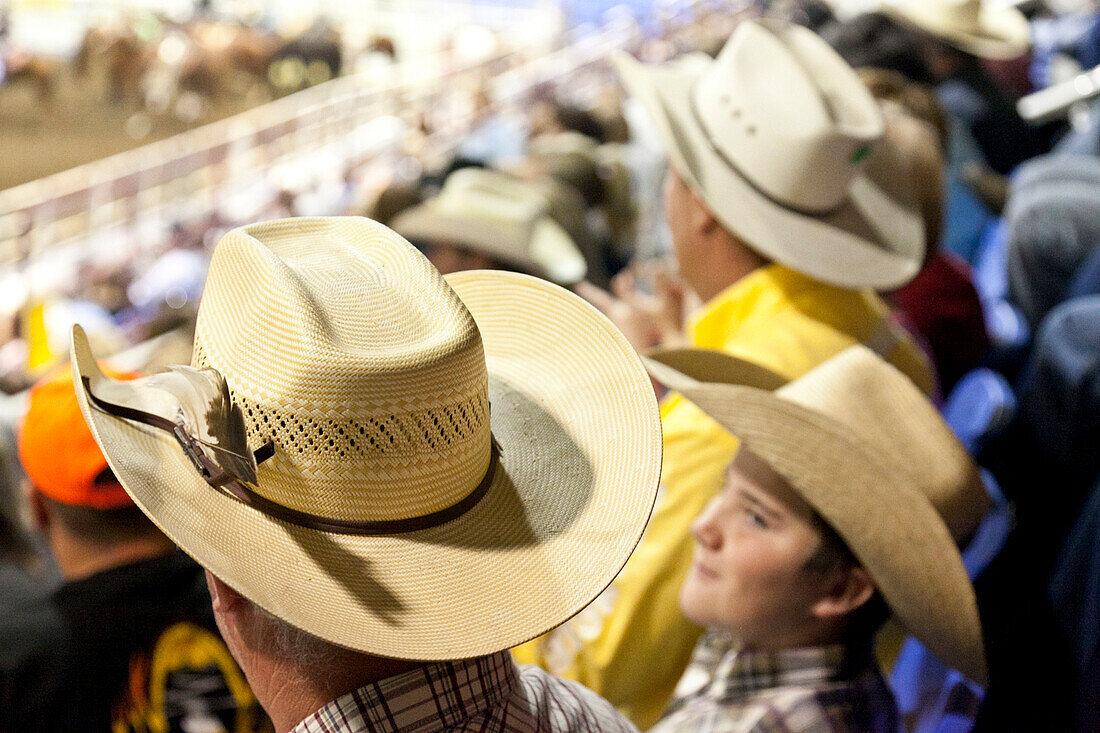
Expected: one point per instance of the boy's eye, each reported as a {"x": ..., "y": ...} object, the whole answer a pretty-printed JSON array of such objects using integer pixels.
[{"x": 756, "y": 517}]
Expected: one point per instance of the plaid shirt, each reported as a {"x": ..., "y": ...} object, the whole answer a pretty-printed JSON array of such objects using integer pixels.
[
  {"x": 489, "y": 694},
  {"x": 831, "y": 688}
]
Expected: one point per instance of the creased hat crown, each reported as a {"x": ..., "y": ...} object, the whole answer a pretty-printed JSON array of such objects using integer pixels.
[
  {"x": 788, "y": 114},
  {"x": 343, "y": 345},
  {"x": 887, "y": 412}
]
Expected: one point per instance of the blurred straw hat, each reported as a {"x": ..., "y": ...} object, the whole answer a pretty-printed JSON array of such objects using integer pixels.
[
  {"x": 985, "y": 29},
  {"x": 330, "y": 455},
  {"x": 868, "y": 452},
  {"x": 785, "y": 171},
  {"x": 498, "y": 215}
]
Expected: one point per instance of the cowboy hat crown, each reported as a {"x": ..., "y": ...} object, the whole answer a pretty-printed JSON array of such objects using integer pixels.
[{"x": 799, "y": 132}]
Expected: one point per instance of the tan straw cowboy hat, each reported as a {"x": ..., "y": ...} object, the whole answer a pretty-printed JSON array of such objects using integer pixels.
[
  {"x": 498, "y": 215},
  {"x": 773, "y": 136},
  {"x": 864, "y": 447},
  {"x": 330, "y": 457},
  {"x": 986, "y": 29}
]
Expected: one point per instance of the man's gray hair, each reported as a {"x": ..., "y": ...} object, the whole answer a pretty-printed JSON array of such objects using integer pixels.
[{"x": 289, "y": 642}]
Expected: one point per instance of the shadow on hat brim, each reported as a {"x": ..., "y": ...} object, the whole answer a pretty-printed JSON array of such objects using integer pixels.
[
  {"x": 891, "y": 527},
  {"x": 1007, "y": 36},
  {"x": 872, "y": 240},
  {"x": 577, "y": 422},
  {"x": 689, "y": 369}
]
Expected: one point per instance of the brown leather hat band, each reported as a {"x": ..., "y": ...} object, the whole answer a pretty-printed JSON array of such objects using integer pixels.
[{"x": 231, "y": 485}]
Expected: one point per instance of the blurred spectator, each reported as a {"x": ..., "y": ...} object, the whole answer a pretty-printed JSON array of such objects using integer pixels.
[
  {"x": 941, "y": 303},
  {"x": 874, "y": 40},
  {"x": 552, "y": 117},
  {"x": 489, "y": 220},
  {"x": 165, "y": 295},
  {"x": 749, "y": 250},
  {"x": 1047, "y": 464},
  {"x": 953, "y": 38},
  {"x": 27, "y": 572},
  {"x": 916, "y": 98},
  {"x": 1053, "y": 220},
  {"x": 1073, "y": 35},
  {"x": 603, "y": 181},
  {"x": 392, "y": 200},
  {"x": 128, "y": 641},
  {"x": 494, "y": 138},
  {"x": 814, "y": 14},
  {"x": 1075, "y": 597}
]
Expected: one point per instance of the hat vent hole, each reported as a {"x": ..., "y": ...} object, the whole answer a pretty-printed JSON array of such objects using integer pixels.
[{"x": 305, "y": 437}]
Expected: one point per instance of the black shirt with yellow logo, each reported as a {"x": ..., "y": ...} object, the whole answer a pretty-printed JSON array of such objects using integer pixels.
[{"x": 136, "y": 650}]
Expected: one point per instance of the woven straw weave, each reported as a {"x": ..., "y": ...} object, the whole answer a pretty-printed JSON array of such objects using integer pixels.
[
  {"x": 419, "y": 427},
  {"x": 328, "y": 325}
]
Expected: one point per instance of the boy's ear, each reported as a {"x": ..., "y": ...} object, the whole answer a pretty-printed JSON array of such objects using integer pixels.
[{"x": 850, "y": 589}]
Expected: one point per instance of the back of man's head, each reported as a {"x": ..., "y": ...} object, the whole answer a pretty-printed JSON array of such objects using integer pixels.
[{"x": 67, "y": 471}]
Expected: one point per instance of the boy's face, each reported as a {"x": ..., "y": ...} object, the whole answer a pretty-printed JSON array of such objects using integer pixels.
[{"x": 749, "y": 574}]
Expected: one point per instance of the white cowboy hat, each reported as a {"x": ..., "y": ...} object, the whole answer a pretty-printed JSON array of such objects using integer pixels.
[
  {"x": 772, "y": 135},
  {"x": 863, "y": 446},
  {"x": 330, "y": 457},
  {"x": 498, "y": 215},
  {"x": 985, "y": 29}
]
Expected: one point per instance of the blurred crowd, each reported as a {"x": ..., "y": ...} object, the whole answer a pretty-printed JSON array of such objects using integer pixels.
[{"x": 864, "y": 289}]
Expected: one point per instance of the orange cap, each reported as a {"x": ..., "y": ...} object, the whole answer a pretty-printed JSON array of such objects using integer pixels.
[{"x": 57, "y": 450}]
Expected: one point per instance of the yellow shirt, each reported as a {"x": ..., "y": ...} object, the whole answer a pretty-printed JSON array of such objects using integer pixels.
[{"x": 631, "y": 644}]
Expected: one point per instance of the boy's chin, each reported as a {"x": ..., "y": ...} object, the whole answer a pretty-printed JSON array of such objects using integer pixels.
[{"x": 695, "y": 607}]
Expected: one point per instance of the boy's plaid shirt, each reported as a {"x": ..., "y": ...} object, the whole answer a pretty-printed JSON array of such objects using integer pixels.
[{"x": 831, "y": 688}]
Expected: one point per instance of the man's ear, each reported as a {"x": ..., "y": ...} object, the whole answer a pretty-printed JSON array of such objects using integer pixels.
[
  {"x": 223, "y": 598},
  {"x": 849, "y": 590},
  {"x": 703, "y": 221},
  {"x": 233, "y": 614}
]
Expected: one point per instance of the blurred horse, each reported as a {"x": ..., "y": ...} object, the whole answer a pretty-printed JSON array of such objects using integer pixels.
[
  {"x": 123, "y": 57},
  {"x": 205, "y": 57},
  {"x": 314, "y": 56},
  {"x": 39, "y": 72}
]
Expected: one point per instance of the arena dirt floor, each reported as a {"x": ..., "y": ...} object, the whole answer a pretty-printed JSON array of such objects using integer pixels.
[{"x": 81, "y": 124}]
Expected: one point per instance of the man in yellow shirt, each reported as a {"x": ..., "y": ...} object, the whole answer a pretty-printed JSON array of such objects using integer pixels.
[{"x": 782, "y": 222}]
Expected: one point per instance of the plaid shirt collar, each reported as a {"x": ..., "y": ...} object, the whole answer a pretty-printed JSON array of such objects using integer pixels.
[
  {"x": 437, "y": 696},
  {"x": 724, "y": 674}
]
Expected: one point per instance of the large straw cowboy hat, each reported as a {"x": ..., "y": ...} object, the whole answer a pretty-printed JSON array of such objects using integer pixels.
[
  {"x": 861, "y": 444},
  {"x": 398, "y": 463},
  {"x": 774, "y": 136},
  {"x": 498, "y": 215},
  {"x": 986, "y": 29}
]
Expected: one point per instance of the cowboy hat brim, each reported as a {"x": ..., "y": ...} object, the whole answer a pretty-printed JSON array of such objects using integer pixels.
[
  {"x": 872, "y": 240},
  {"x": 873, "y": 508},
  {"x": 575, "y": 417},
  {"x": 1004, "y": 35}
]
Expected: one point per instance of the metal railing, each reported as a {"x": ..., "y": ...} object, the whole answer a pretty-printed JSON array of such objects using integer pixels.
[{"x": 103, "y": 211}]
